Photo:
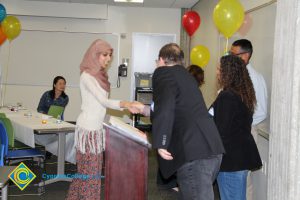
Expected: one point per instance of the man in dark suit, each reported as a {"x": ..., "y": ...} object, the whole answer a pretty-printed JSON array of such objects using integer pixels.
[{"x": 186, "y": 137}]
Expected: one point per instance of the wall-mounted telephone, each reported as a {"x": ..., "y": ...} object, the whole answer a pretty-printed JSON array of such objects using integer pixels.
[{"x": 122, "y": 70}]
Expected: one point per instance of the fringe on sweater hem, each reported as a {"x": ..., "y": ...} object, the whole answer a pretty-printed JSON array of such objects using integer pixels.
[{"x": 92, "y": 141}]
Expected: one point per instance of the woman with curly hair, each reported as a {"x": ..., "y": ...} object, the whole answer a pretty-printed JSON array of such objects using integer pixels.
[{"x": 232, "y": 111}]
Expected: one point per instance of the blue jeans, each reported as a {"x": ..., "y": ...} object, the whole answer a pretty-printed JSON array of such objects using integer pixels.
[
  {"x": 195, "y": 178},
  {"x": 232, "y": 185}
]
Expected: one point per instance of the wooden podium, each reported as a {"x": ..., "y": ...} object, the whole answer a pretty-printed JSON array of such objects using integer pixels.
[{"x": 126, "y": 162}]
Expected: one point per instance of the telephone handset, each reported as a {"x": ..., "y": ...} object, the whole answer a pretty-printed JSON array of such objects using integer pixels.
[{"x": 122, "y": 70}]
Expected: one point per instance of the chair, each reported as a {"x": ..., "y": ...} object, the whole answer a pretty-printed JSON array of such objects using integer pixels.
[
  {"x": 12, "y": 143},
  {"x": 9, "y": 130},
  {"x": 19, "y": 155},
  {"x": 1, "y": 155},
  {"x": 3, "y": 140},
  {"x": 55, "y": 111}
]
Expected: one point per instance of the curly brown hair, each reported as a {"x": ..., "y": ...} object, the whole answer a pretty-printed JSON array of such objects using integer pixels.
[{"x": 234, "y": 76}]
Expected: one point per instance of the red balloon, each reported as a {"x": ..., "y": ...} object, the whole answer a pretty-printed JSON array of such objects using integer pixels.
[
  {"x": 2, "y": 36},
  {"x": 190, "y": 22}
]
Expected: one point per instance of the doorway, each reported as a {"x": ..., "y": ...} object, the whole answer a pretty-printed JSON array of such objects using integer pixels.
[{"x": 145, "y": 48}]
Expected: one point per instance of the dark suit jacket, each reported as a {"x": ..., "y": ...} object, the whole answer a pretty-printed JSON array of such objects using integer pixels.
[
  {"x": 234, "y": 120},
  {"x": 180, "y": 121}
]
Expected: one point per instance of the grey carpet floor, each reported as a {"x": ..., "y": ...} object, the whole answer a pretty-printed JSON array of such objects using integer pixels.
[{"x": 58, "y": 191}]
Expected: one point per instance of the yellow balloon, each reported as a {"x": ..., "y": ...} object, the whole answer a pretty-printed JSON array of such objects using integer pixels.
[
  {"x": 200, "y": 56},
  {"x": 228, "y": 16},
  {"x": 11, "y": 27}
]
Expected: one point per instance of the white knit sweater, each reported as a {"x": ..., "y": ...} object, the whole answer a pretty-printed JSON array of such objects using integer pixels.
[{"x": 93, "y": 109}]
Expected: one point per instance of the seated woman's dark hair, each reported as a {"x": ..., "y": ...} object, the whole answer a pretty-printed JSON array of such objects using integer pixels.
[{"x": 55, "y": 80}]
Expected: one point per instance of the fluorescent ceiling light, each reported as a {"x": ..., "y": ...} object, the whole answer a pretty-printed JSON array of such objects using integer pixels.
[{"x": 130, "y": 1}]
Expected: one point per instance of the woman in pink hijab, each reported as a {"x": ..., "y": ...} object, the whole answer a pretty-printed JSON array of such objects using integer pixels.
[{"x": 89, "y": 138}]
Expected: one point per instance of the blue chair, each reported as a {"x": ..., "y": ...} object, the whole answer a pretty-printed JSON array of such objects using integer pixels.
[
  {"x": 1, "y": 155},
  {"x": 3, "y": 142},
  {"x": 14, "y": 144},
  {"x": 9, "y": 131},
  {"x": 19, "y": 155},
  {"x": 22, "y": 154}
]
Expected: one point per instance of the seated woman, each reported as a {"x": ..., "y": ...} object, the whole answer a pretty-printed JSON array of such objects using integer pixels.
[{"x": 56, "y": 96}]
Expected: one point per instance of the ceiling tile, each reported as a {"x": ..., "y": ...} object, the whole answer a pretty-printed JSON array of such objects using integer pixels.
[
  {"x": 184, "y": 3},
  {"x": 51, "y": 0},
  {"x": 147, "y": 3},
  {"x": 98, "y": 1},
  {"x": 129, "y": 4},
  {"x": 159, "y": 3}
]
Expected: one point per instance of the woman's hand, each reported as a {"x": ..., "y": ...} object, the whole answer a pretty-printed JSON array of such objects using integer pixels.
[{"x": 134, "y": 107}]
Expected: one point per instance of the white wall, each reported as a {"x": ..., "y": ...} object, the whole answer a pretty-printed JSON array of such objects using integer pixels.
[
  {"x": 260, "y": 177},
  {"x": 121, "y": 20},
  {"x": 145, "y": 52},
  {"x": 207, "y": 35},
  {"x": 261, "y": 34}
]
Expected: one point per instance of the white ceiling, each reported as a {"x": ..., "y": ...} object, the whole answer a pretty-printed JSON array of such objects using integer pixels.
[{"x": 147, "y": 3}]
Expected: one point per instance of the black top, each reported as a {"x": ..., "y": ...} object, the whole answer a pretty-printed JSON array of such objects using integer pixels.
[
  {"x": 180, "y": 121},
  {"x": 234, "y": 120}
]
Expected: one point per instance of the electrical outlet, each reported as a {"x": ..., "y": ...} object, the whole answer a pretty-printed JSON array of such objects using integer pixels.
[{"x": 264, "y": 168}]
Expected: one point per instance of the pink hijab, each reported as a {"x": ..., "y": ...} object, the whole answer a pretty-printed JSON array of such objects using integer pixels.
[{"x": 90, "y": 62}]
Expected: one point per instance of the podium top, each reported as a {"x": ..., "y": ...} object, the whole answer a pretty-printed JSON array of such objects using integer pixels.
[{"x": 126, "y": 130}]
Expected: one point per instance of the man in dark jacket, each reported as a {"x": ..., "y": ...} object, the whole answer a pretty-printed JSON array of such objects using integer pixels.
[{"x": 185, "y": 135}]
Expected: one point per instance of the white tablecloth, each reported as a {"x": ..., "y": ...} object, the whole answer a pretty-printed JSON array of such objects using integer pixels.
[{"x": 26, "y": 121}]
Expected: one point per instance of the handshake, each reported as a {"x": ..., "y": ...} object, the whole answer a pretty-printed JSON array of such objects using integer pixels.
[{"x": 136, "y": 107}]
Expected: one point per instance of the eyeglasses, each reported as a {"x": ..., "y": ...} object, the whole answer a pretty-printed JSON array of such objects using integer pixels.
[{"x": 236, "y": 54}]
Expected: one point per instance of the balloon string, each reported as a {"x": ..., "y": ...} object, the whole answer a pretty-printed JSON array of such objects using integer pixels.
[
  {"x": 226, "y": 48},
  {"x": 6, "y": 75},
  {"x": 189, "y": 52}
]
